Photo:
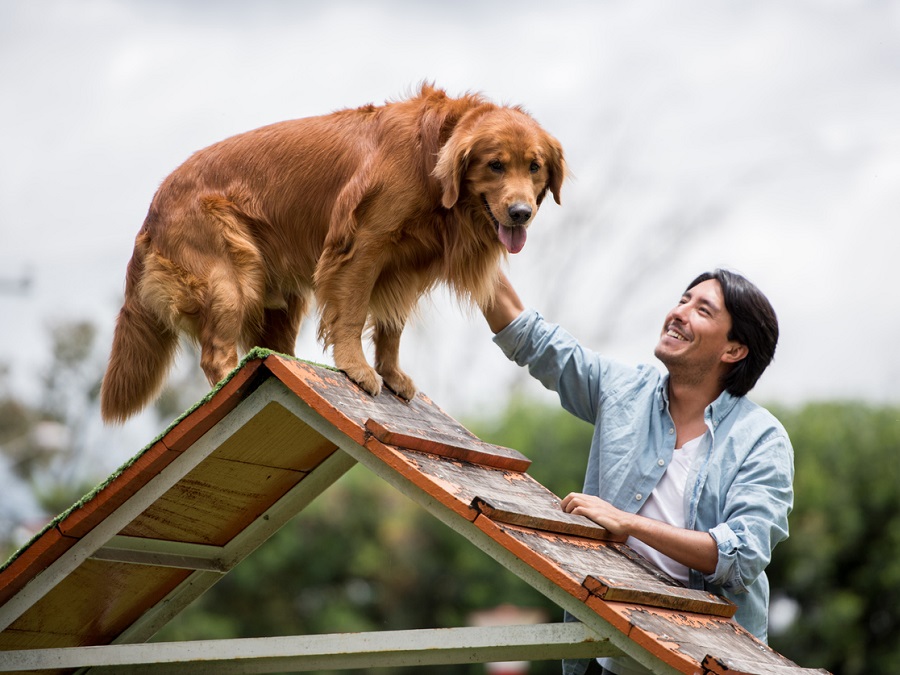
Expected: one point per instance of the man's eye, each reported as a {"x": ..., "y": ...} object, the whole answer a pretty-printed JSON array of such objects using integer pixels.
[{"x": 496, "y": 165}]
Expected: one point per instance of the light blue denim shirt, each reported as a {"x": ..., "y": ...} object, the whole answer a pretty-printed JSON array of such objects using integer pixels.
[{"x": 740, "y": 491}]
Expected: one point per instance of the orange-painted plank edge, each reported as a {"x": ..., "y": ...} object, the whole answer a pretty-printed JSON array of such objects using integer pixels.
[
  {"x": 531, "y": 557},
  {"x": 39, "y": 555},
  {"x": 391, "y": 457},
  {"x": 184, "y": 434},
  {"x": 83, "y": 519}
]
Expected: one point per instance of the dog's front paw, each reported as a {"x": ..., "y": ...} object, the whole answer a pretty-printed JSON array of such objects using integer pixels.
[
  {"x": 401, "y": 384},
  {"x": 365, "y": 377}
]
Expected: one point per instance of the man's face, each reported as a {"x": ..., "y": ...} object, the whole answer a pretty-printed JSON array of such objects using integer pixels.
[{"x": 694, "y": 339}]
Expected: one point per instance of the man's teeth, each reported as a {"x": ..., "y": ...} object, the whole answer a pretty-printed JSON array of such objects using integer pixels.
[{"x": 675, "y": 334}]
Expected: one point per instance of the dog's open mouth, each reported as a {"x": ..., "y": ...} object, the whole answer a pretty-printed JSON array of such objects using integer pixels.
[{"x": 513, "y": 238}]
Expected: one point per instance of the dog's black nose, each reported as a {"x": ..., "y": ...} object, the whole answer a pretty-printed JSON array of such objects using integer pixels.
[{"x": 519, "y": 213}]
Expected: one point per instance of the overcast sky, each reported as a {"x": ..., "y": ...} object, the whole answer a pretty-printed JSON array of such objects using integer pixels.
[{"x": 762, "y": 136}]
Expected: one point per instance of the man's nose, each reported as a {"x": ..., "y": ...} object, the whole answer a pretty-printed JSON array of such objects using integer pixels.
[{"x": 679, "y": 312}]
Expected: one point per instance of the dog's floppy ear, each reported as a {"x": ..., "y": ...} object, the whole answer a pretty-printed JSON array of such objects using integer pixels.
[
  {"x": 556, "y": 165},
  {"x": 452, "y": 162}
]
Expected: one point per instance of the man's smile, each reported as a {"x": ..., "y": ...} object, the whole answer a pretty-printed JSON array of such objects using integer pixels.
[{"x": 673, "y": 332}]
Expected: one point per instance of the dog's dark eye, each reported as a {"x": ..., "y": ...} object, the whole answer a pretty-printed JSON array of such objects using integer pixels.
[
  {"x": 496, "y": 165},
  {"x": 535, "y": 167}
]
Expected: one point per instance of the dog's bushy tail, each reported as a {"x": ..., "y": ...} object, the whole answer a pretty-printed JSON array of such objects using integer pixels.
[{"x": 142, "y": 352}]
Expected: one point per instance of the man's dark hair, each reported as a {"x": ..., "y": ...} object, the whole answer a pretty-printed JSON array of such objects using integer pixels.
[{"x": 753, "y": 324}]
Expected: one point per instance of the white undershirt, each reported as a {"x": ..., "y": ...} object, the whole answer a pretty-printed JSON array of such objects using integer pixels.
[{"x": 665, "y": 503}]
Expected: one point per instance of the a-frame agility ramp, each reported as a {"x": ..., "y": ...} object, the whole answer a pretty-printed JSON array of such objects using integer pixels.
[{"x": 89, "y": 590}]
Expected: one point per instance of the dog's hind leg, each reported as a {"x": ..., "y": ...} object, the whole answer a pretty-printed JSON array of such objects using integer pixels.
[
  {"x": 221, "y": 323},
  {"x": 387, "y": 359},
  {"x": 217, "y": 336},
  {"x": 234, "y": 293}
]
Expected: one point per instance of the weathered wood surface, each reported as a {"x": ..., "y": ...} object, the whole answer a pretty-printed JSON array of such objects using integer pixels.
[
  {"x": 623, "y": 580},
  {"x": 728, "y": 666},
  {"x": 531, "y": 509},
  {"x": 460, "y": 446},
  {"x": 470, "y": 489},
  {"x": 418, "y": 424},
  {"x": 92, "y": 605},
  {"x": 699, "y": 637}
]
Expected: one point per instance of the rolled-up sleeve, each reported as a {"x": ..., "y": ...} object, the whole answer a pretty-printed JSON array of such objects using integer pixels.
[{"x": 755, "y": 514}]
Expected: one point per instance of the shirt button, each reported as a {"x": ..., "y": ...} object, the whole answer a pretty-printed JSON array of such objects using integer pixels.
[
  {"x": 661, "y": 462},
  {"x": 671, "y": 430},
  {"x": 639, "y": 496}
]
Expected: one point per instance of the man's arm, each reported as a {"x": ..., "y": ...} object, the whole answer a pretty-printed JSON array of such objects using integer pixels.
[
  {"x": 505, "y": 307},
  {"x": 691, "y": 548}
]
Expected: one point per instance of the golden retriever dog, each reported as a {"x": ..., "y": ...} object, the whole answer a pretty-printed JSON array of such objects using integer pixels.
[{"x": 362, "y": 210}]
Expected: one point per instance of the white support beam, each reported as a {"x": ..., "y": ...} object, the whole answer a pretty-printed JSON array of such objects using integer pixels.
[
  {"x": 162, "y": 553},
  {"x": 325, "y": 652}
]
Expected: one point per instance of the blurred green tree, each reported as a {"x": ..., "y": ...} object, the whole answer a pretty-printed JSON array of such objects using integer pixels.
[
  {"x": 840, "y": 568},
  {"x": 44, "y": 442}
]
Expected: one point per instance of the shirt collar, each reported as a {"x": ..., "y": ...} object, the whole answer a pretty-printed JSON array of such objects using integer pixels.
[{"x": 715, "y": 411}]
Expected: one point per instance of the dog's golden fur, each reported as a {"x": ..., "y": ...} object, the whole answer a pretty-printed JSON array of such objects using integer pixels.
[{"x": 364, "y": 210}]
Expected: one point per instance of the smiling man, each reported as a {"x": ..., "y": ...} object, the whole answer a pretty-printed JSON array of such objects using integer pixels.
[{"x": 697, "y": 476}]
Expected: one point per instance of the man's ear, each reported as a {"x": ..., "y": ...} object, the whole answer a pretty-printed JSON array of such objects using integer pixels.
[{"x": 735, "y": 352}]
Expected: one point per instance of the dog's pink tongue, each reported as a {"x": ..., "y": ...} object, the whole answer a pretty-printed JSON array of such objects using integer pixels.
[{"x": 513, "y": 238}]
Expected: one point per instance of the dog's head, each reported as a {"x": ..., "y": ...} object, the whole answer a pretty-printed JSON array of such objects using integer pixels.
[{"x": 500, "y": 161}]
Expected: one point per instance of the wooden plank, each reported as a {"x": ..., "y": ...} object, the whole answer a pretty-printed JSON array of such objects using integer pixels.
[
  {"x": 457, "y": 483},
  {"x": 98, "y": 600},
  {"x": 329, "y": 393},
  {"x": 525, "y": 511},
  {"x": 425, "y": 647},
  {"x": 672, "y": 597},
  {"x": 213, "y": 503},
  {"x": 697, "y": 636},
  {"x": 596, "y": 562},
  {"x": 454, "y": 446},
  {"x": 419, "y": 422},
  {"x": 724, "y": 665},
  {"x": 398, "y": 460},
  {"x": 276, "y": 438}
]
